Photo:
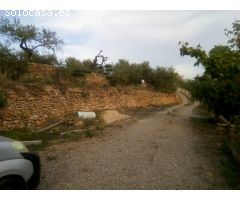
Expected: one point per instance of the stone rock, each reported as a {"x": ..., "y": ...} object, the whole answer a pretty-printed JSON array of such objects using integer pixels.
[
  {"x": 78, "y": 123},
  {"x": 27, "y": 94},
  {"x": 11, "y": 92},
  {"x": 111, "y": 116},
  {"x": 34, "y": 117},
  {"x": 38, "y": 123},
  {"x": 21, "y": 125},
  {"x": 31, "y": 98},
  {"x": 4, "y": 123}
]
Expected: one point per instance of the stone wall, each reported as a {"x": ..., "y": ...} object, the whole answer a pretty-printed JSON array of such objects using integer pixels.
[
  {"x": 231, "y": 134},
  {"x": 40, "y": 71},
  {"x": 35, "y": 110}
]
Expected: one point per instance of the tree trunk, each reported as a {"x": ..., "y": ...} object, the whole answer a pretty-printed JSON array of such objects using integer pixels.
[{"x": 28, "y": 51}]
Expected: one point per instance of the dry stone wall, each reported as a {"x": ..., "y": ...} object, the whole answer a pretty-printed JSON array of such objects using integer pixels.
[
  {"x": 37, "y": 110},
  {"x": 40, "y": 71}
]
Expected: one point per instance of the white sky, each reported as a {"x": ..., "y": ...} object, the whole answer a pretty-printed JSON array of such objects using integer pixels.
[{"x": 139, "y": 35}]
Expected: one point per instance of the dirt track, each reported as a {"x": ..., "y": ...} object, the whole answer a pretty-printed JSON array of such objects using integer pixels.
[{"x": 158, "y": 151}]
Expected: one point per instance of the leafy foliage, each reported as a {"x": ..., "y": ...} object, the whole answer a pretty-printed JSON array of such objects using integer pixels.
[
  {"x": 79, "y": 68},
  {"x": 29, "y": 37},
  {"x": 49, "y": 59},
  {"x": 165, "y": 79},
  {"x": 3, "y": 99},
  {"x": 219, "y": 86},
  {"x": 234, "y": 35},
  {"x": 12, "y": 64},
  {"x": 125, "y": 73},
  {"x": 162, "y": 79}
]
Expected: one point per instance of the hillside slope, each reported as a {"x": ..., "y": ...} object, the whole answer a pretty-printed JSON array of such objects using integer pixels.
[{"x": 33, "y": 105}]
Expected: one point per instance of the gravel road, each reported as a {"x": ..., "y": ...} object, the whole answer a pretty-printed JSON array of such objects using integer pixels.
[{"x": 159, "y": 151}]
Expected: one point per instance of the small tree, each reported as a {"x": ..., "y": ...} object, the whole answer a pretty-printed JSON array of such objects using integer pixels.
[
  {"x": 165, "y": 79},
  {"x": 125, "y": 73},
  {"x": 29, "y": 37},
  {"x": 219, "y": 86},
  {"x": 78, "y": 68},
  {"x": 12, "y": 64},
  {"x": 122, "y": 73},
  {"x": 146, "y": 71}
]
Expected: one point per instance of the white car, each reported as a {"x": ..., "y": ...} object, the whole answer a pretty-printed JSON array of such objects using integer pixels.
[{"x": 19, "y": 168}]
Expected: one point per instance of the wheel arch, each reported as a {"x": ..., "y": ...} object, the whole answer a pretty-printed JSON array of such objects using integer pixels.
[{"x": 17, "y": 167}]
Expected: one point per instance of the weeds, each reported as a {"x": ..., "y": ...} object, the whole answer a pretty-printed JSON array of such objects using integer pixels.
[
  {"x": 226, "y": 164},
  {"x": 3, "y": 99},
  {"x": 89, "y": 133},
  {"x": 229, "y": 167},
  {"x": 202, "y": 111},
  {"x": 48, "y": 137},
  {"x": 25, "y": 135}
]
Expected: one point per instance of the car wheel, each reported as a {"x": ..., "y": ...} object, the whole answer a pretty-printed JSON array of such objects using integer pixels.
[{"x": 13, "y": 183}]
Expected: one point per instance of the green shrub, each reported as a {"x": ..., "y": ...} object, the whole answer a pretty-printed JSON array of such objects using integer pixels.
[
  {"x": 12, "y": 64},
  {"x": 218, "y": 87},
  {"x": 165, "y": 79},
  {"x": 125, "y": 73},
  {"x": 89, "y": 133},
  {"x": 49, "y": 59},
  {"x": 80, "y": 72},
  {"x": 3, "y": 99},
  {"x": 77, "y": 68}
]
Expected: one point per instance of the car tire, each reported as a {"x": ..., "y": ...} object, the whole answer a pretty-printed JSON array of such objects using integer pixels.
[{"x": 13, "y": 183}]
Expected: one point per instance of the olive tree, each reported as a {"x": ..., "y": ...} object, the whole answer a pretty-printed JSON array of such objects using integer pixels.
[{"x": 29, "y": 37}]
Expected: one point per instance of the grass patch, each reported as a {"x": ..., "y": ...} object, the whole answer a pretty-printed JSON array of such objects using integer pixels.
[
  {"x": 226, "y": 164},
  {"x": 46, "y": 137},
  {"x": 53, "y": 136},
  {"x": 89, "y": 133},
  {"x": 25, "y": 135},
  {"x": 202, "y": 110},
  {"x": 20, "y": 134},
  {"x": 229, "y": 167}
]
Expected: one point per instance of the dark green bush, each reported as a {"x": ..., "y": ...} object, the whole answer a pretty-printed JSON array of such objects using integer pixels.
[
  {"x": 3, "y": 99},
  {"x": 218, "y": 88},
  {"x": 81, "y": 72},
  {"x": 125, "y": 73},
  {"x": 165, "y": 79},
  {"x": 77, "y": 68},
  {"x": 12, "y": 64},
  {"x": 49, "y": 59}
]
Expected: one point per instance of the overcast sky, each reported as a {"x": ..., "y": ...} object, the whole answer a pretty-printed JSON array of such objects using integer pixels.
[{"x": 139, "y": 35}]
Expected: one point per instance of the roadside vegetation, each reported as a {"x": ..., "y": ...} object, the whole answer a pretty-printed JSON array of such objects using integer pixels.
[
  {"x": 26, "y": 44},
  {"x": 71, "y": 129},
  {"x": 218, "y": 88},
  {"x": 218, "y": 91},
  {"x": 227, "y": 165}
]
